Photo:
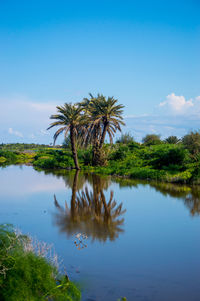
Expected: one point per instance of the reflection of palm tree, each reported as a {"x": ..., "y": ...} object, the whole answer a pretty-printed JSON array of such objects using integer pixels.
[{"x": 90, "y": 213}]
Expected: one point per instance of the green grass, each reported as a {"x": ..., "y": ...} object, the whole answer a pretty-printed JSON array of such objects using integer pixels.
[{"x": 26, "y": 274}]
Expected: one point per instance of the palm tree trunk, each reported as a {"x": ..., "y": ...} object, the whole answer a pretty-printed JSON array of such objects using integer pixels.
[
  {"x": 73, "y": 146},
  {"x": 103, "y": 134}
]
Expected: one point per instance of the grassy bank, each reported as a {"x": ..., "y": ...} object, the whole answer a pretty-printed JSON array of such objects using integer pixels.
[
  {"x": 27, "y": 274},
  {"x": 163, "y": 162}
]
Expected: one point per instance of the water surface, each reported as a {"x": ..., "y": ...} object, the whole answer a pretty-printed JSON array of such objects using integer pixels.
[{"x": 141, "y": 240}]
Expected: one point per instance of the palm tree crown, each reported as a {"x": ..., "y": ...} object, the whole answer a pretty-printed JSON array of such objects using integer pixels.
[{"x": 106, "y": 116}]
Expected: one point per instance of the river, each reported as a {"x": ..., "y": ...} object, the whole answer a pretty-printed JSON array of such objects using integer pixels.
[{"x": 115, "y": 237}]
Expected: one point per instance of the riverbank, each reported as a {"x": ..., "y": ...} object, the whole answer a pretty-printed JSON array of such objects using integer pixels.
[
  {"x": 165, "y": 162},
  {"x": 29, "y": 271}
]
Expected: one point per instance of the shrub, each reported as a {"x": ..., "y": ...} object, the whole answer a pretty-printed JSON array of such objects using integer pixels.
[
  {"x": 146, "y": 173},
  {"x": 165, "y": 155},
  {"x": 120, "y": 153},
  {"x": 11, "y": 157},
  {"x": 151, "y": 139},
  {"x": 26, "y": 275},
  {"x": 172, "y": 140},
  {"x": 192, "y": 142},
  {"x": 85, "y": 156}
]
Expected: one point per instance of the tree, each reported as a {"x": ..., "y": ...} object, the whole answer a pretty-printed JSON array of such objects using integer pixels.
[
  {"x": 172, "y": 140},
  {"x": 71, "y": 120},
  {"x": 192, "y": 142},
  {"x": 105, "y": 117},
  {"x": 151, "y": 139}
]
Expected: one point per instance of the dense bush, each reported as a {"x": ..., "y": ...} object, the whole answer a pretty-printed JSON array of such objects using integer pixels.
[
  {"x": 120, "y": 153},
  {"x": 26, "y": 275},
  {"x": 165, "y": 155},
  {"x": 151, "y": 139},
  {"x": 49, "y": 159},
  {"x": 172, "y": 140},
  {"x": 85, "y": 156},
  {"x": 15, "y": 157},
  {"x": 191, "y": 141},
  {"x": 11, "y": 157}
]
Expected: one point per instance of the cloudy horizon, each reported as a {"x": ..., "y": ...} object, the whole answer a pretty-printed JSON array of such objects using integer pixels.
[
  {"x": 175, "y": 115},
  {"x": 143, "y": 53}
]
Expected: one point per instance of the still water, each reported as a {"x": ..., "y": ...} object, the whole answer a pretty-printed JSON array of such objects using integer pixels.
[{"x": 134, "y": 239}]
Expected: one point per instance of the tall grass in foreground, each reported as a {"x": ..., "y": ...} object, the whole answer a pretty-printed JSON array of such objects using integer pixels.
[{"x": 27, "y": 273}]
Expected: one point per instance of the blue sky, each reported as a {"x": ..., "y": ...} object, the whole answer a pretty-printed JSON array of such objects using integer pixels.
[{"x": 144, "y": 53}]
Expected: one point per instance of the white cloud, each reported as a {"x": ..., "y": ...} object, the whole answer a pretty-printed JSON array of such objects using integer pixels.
[
  {"x": 176, "y": 104},
  {"x": 198, "y": 98},
  {"x": 16, "y": 133},
  {"x": 28, "y": 117}
]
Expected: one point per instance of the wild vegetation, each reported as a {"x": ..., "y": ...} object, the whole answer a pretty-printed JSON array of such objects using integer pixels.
[
  {"x": 87, "y": 124},
  {"x": 27, "y": 274},
  {"x": 165, "y": 161}
]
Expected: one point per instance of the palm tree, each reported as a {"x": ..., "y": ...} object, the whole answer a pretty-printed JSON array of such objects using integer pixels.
[
  {"x": 105, "y": 118},
  {"x": 71, "y": 120}
]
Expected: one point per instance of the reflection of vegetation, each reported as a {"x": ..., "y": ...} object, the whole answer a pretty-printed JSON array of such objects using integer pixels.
[
  {"x": 192, "y": 201},
  {"x": 189, "y": 194},
  {"x": 90, "y": 213}
]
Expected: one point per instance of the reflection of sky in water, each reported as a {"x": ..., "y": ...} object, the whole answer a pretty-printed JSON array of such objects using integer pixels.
[
  {"x": 33, "y": 182},
  {"x": 155, "y": 258}
]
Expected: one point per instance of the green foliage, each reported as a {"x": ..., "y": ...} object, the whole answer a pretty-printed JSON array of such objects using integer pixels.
[
  {"x": 146, "y": 173},
  {"x": 160, "y": 156},
  {"x": 15, "y": 157},
  {"x": 11, "y": 157},
  {"x": 166, "y": 162},
  {"x": 85, "y": 156},
  {"x": 22, "y": 146},
  {"x": 191, "y": 141},
  {"x": 51, "y": 159},
  {"x": 151, "y": 139},
  {"x": 2, "y": 160},
  {"x": 24, "y": 275},
  {"x": 120, "y": 153},
  {"x": 172, "y": 140}
]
